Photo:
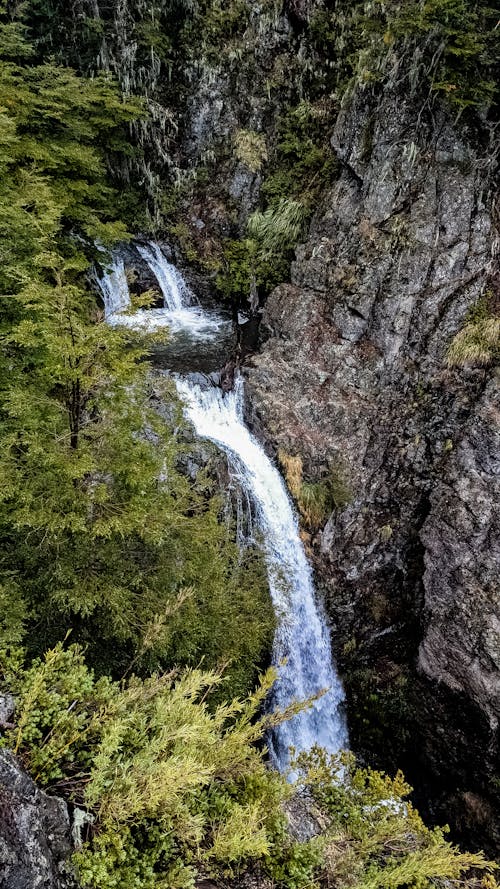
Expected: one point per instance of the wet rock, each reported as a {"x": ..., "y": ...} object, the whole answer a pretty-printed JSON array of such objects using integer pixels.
[
  {"x": 227, "y": 376},
  {"x": 304, "y": 818},
  {"x": 7, "y": 708}
]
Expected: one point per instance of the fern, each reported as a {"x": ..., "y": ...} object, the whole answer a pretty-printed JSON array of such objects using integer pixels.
[{"x": 279, "y": 227}]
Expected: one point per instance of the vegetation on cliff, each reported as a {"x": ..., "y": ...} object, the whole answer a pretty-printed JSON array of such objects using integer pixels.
[
  {"x": 176, "y": 787},
  {"x": 105, "y": 538},
  {"x": 92, "y": 538}
]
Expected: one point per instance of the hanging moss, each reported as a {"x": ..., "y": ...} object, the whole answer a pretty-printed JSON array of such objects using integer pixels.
[{"x": 447, "y": 47}]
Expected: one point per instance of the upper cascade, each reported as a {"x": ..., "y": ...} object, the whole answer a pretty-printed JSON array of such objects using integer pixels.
[
  {"x": 176, "y": 293},
  {"x": 180, "y": 312},
  {"x": 114, "y": 289}
]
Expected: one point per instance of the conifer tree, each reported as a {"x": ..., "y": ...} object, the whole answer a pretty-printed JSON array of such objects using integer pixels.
[{"x": 101, "y": 532}]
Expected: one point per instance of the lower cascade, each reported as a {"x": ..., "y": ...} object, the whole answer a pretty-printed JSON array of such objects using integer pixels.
[
  {"x": 302, "y": 639},
  {"x": 301, "y": 649}
]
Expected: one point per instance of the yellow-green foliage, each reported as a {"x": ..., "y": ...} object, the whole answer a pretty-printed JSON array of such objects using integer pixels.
[
  {"x": 250, "y": 149},
  {"x": 177, "y": 787},
  {"x": 315, "y": 500},
  {"x": 173, "y": 783},
  {"x": 478, "y": 343},
  {"x": 375, "y": 838},
  {"x": 279, "y": 227}
]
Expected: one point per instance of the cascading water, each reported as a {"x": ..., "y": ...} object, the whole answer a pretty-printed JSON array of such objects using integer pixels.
[
  {"x": 302, "y": 637},
  {"x": 301, "y": 650},
  {"x": 114, "y": 289},
  {"x": 176, "y": 293},
  {"x": 180, "y": 313}
]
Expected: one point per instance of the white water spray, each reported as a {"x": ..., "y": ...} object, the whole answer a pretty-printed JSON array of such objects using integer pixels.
[
  {"x": 180, "y": 313},
  {"x": 114, "y": 289},
  {"x": 176, "y": 293},
  {"x": 302, "y": 638}
]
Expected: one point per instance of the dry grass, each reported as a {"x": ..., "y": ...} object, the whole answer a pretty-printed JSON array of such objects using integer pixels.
[
  {"x": 315, "y": 500},
  {"x": 292, "y": 470},
  {"x": 250, "y": 149},
  {"x": 477, "y": 344}
]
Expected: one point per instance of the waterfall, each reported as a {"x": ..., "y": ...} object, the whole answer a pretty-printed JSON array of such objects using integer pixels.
[
  {"x": 114, "y": 289},
  {"x": 302, "y": 649},
  {"x": 176, "y": 293},
  {"x": 302, "y": 639},
  {"x": 180, "y": 313}
]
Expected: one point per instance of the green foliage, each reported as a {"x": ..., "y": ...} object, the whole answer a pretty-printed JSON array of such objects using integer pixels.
[
  {"x": 173, "y": 783},
  {"x": 279, "y": 227},
  {"x": 303, "y": 163},
  {"x": 249, "y": 264},
  {"x": 235, "y": 275},
  {"x": 177, "y": 787},
  {"x": 300, "y": 165},
  {"x": 447, "y": 46},
  {"x": 13, "y": 614},
  {"x": 468, "y": 46},
  {"x": 478, "y": 342},
  {"x": 317, "y": 500},
  {"x": 101, "y": 530},
  {"x": 215, "y": 27},
  {"x": 77, "y": 36},
  {"x": 296, "y": 864},
  {"x": 375, "y": 837}
]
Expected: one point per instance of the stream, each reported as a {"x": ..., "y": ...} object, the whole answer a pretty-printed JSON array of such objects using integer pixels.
[{"x": 302, "y": 647}]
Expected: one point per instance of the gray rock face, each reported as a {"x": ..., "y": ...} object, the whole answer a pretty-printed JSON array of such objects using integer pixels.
[
  {"x": 7, "y": 707},
  {"x": 34, "y": 833},
  {"x": 461, "y": 645},
  {"x": 244, "y": 86},
  {"x": 353, "y": 375}
]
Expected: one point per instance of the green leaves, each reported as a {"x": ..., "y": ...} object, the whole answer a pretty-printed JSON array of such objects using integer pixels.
[
  {"x": 100, "y": 527},
  {"x": 447, "y": 47},
  {"x": 386, "y": 841},
  {"x": 170, "y": 780}
]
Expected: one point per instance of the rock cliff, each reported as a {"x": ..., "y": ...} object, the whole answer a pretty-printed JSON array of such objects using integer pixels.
[{"x": 353, "y": 375}]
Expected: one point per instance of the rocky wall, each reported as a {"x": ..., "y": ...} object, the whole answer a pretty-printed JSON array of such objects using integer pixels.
[{"x": 353, "y": 377}]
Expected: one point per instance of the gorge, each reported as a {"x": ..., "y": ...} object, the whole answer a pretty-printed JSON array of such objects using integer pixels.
[{"x": 295, "y": 316}]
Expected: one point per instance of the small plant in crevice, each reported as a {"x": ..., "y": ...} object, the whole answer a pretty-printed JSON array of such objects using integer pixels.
[
  {"x": 315, "y": 500},
  {"x": 278, "y": 228},
  {"x": 250, "y": 149},
  {"x": 477, "y": 344}
]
